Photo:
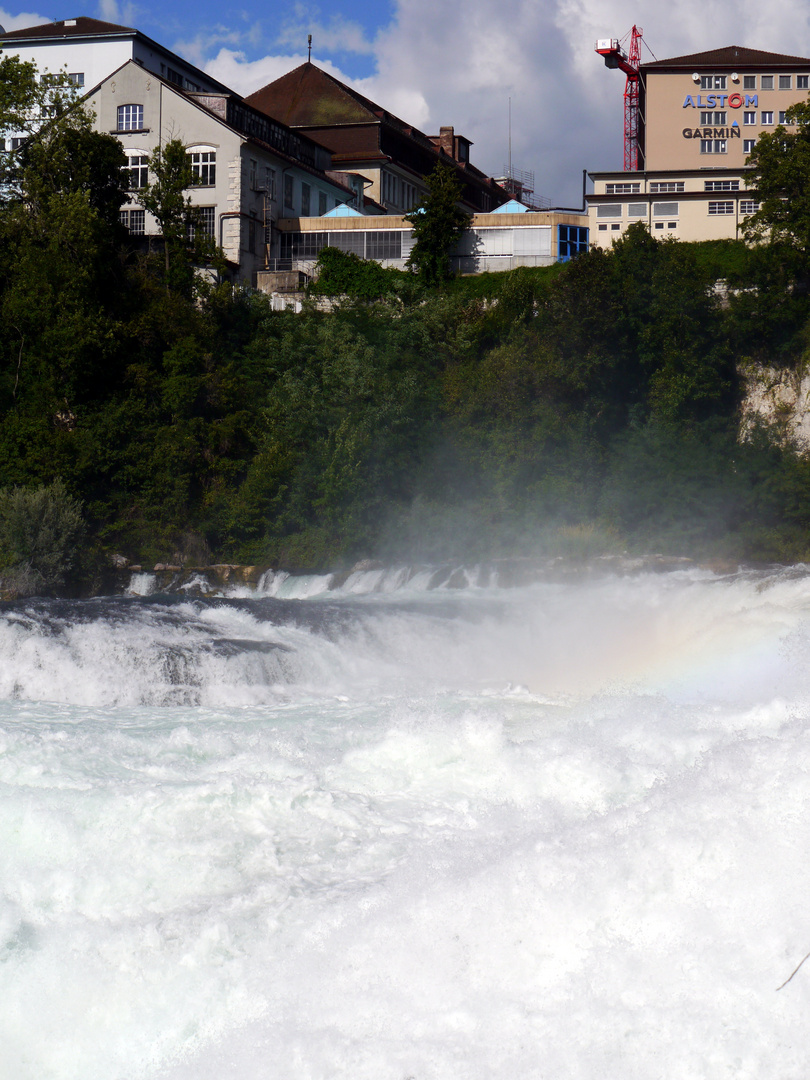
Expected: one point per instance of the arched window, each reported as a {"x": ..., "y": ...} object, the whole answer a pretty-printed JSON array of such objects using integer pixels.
[
  {"x": 130, "y": 117},
  {"x": 203, "y": 165}
]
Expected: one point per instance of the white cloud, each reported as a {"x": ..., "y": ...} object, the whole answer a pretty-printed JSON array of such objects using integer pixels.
[
  {"x": 21, "y": 21},
  {"x": 125, "y": 14},
  {"x": 244, "y": 76},
  {"x": 198, "y": 48},
  {"x": 336, "y": 35}
]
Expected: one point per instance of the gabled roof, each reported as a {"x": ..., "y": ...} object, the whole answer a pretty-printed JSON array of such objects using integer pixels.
[
  {"x": 307, "y": 96},
  {"x": 729, "y": 57},
  {"x": 342, "y": 211},
  {"x": 512, "y": 207},
  {"x": 78, "y": 27}
]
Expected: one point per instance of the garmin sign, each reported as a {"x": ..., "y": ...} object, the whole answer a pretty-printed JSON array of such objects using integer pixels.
[
  {"x": 718, "y": 101},
  {"x": 732, "y": 132}
]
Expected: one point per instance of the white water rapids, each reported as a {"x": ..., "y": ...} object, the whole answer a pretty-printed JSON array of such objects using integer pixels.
[{"x": 559, "y": 831}]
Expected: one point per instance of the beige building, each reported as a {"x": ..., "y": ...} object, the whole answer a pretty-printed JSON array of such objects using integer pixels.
[{"x": 699, "y": 118}]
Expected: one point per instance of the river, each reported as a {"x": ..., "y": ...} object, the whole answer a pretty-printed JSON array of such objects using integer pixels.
[{"x": 388, "y": 831}]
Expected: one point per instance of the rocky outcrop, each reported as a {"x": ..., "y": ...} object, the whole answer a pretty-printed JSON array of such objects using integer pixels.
[{"x": 779, "y": 396}]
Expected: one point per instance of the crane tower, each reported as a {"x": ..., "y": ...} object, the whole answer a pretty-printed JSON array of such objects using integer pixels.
[{"x": 629, "y": 62}]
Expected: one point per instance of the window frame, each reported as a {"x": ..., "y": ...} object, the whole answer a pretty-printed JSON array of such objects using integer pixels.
[
  {"x": 714, "y": 119},
  {"x": 713, "y": 82},
  {"x": 141, "y": 168},
  {"x": 125, "y": 118},
  {"x": 204, "y": 170}
]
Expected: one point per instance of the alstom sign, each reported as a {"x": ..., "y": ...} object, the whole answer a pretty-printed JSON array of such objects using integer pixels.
[{"x": 719, "y": 101}]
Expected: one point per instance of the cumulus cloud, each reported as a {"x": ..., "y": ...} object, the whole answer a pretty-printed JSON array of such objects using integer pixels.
[
  {"x": 466, "y": 58},
  {"x": 244, "y": 76},
  {"x": 125, "y": 14},
  {"x": 460, "y": 62},
  {"x": 199, "y": 48},
  {"x": 21, "y": 21},
  {"x": 335, "y": 35}
]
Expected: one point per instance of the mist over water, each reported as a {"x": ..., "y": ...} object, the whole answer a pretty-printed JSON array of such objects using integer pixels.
[{"x": 388, "y": 831}]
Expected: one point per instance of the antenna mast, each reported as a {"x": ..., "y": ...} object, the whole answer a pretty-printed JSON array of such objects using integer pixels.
[{"x": 509, "y": 173}]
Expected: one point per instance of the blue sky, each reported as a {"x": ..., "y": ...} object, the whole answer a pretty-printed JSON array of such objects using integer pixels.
[{"x": 459, "y": 62}]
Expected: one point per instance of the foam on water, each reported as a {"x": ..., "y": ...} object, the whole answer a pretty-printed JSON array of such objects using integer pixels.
[{"x": 557, "y": 832}]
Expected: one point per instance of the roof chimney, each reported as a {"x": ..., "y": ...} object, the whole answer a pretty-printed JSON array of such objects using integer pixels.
[{"x": 447, "y": 140}]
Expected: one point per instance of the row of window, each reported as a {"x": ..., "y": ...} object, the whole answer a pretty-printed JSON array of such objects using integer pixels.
[
  {"x": 372, "y": 244},
  {"x": 398, "y": 192},
  {"x": 203, "y": 168},
  {"x": 178, "y": 79},
  {"x": 671, "y": 209},
  {"x": 135, "y": 221},
  {"x": 659, "y": 187},
  {"x": 766, "y": 82},
  {"x": 720, "y": 146},
  {"x": 720, "y": 119},
  {"x": 616, "y": 226}
]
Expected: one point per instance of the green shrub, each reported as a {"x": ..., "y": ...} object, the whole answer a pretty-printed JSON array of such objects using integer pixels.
[{"x": 41, "y": 532}]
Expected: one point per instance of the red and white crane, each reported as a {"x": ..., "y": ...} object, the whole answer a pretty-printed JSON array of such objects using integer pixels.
[{"x": 629, "y": 62}]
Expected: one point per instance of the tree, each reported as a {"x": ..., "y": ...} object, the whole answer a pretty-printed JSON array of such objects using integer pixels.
[
  {"x": 68, "y": 157},
  {"x": 437, "y": 225},
  {"x": 27, "y": 103},
  {"x": 780, "y": 174},
  {"x": 41, "y": 532},
  {"x": 185, "y": 244}
]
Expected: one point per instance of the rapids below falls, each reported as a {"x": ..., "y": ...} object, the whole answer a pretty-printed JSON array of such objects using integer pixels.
[{"x": 388, "y": 832}]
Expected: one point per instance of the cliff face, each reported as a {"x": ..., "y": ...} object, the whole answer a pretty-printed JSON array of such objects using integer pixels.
[{"x": 782, "y": 397}]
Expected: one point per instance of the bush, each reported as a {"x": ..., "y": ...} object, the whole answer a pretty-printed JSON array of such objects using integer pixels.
[{"x": 41, "y": 532}]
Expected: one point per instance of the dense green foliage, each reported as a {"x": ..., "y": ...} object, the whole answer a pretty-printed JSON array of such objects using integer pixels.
[
  {"x": 41, "y": 536},
  {"x": 586, "y": 407},
  {"x": 780, "y": 167},
  {"x": 437, "y": 225}
]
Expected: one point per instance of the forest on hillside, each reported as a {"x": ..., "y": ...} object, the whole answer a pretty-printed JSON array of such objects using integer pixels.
[{"x": 581, "y": 408}]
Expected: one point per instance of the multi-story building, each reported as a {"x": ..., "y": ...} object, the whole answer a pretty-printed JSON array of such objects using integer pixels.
[
  {"x": 367, "y": 140},
  {"x": 272, "y": 170},
  {"x": 699, "y": 118},
  {"x": 88, "y": 50},
  {"x": 250, "y": 170}
]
